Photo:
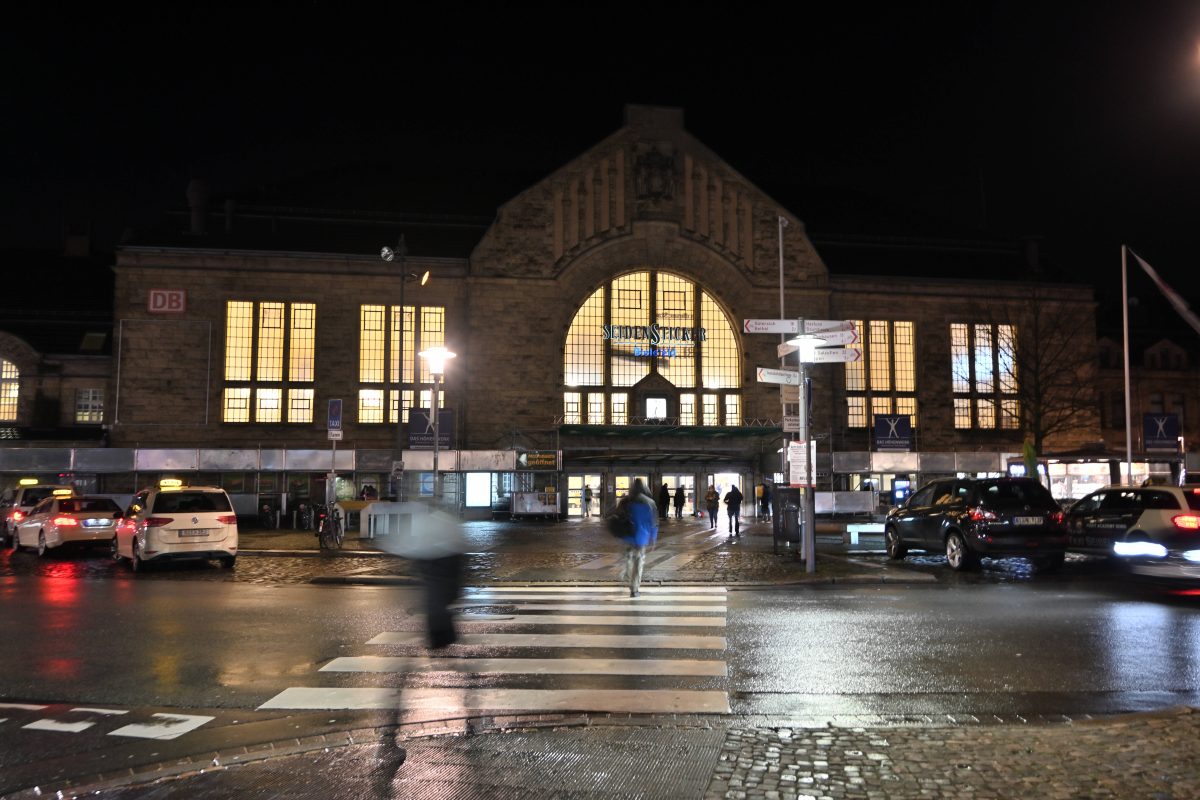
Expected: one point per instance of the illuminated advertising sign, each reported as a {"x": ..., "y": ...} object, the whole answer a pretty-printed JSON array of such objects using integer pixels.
[{"x": 654, "y": 340}]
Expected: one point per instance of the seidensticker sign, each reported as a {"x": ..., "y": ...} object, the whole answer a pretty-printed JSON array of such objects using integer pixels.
[{"x": 655, "y": 340}]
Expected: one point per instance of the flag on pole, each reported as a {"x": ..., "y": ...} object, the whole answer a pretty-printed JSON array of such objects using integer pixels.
[{"x": 1177, "y": 302}]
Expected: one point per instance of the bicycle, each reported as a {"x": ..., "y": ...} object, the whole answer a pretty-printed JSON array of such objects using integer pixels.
[
  {"x": 330, "y": 533},
  {"x": 307, "y": 521}
]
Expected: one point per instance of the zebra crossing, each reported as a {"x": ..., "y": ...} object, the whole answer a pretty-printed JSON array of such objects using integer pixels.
[{"x": 627, "y": 664}]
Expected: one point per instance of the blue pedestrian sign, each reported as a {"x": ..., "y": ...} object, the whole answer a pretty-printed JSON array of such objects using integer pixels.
[
  {"x": 893, "y": 432},
  {"x": 1160, "y": 431}
]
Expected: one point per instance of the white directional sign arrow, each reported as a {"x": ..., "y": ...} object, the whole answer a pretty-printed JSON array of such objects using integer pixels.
[
  {"x": 770, "y": 326},
  {"x": 839, "y": 337},
  {"x": 823, "y": 325},
  {"x": 836, "y": 355},
  {"x": 783, "y": 376}
]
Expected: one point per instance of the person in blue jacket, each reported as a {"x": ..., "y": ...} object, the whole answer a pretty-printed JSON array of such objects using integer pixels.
[{"x": 643, "y": 513}]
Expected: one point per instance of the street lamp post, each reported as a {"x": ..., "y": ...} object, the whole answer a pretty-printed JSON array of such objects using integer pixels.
[
  {"x": 437, "y": 358},
  {"x": 397, "y": 473}
]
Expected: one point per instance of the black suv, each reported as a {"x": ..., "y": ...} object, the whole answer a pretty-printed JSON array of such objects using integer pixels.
[{"x": 972, "y": 517}]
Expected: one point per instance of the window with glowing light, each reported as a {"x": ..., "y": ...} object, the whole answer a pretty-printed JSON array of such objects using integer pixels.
[
  {"x": 389, "y": 340},
  {"x": 884, "y": 380},
  {"x": 983, "y": 376},
  {"x": 270, "y": 354},
  {"x": 10, "y": 390},
  {"x": 699, "y": 351}
]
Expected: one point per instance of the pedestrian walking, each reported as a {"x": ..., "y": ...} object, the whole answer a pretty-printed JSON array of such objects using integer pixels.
[
  {"x": 765, "y": 510},
  {"x": 640, "y": 507},
  {"x": 712, "y": 500},
  {"x": 680, "y": 495},
  {"x": 664, "y": 501},
  {"x": 733, "y": 504},
  {"x": 587, "y": 501}
]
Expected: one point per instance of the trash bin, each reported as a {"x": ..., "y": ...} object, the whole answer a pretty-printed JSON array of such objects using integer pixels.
[{"x": 785, "y": 517}]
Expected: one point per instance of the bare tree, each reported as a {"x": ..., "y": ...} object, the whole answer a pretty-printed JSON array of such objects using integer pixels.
[{"x": 1052, "y": 359}]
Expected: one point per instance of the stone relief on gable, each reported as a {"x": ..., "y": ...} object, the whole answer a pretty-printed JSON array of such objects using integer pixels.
[{"x": 654, "y": 172}]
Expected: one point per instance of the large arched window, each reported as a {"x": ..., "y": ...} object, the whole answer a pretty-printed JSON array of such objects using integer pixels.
[
  {"x": 10, "y": 386},
  {"x": 651, "y": 348}
]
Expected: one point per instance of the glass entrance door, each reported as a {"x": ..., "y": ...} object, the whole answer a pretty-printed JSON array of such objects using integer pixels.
[
  {"x": 575, "y": 487},
  {"x": 688, "y": 483}
]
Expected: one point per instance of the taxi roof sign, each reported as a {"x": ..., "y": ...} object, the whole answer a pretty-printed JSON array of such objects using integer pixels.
[{"x": 28, "y": 482}]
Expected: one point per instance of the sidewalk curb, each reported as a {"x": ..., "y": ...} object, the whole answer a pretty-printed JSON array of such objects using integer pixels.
[{"x": 191, "y": 766}]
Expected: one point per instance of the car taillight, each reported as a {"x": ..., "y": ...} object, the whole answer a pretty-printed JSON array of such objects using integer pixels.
[
  {"x": 1058, "y": 518},
  {"x": 227, "y": 519},
  {"x": 1187, "y": 522},
  {"x": 17, "y": 516},
  {"x": 981, "y": 514},
  {"x": 158, "y": 522},
  {"x": 65, "y": 522}
]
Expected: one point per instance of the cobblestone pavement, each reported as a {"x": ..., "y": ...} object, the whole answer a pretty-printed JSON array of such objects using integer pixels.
[
  {"x": 1140, "y": 756},
  {"x": 1151, "y": 756}
]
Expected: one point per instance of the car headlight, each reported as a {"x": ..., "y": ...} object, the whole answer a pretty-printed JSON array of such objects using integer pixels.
[
  {"x": 1140, "y": 549},
  {"x": 1192, "y": 555}
]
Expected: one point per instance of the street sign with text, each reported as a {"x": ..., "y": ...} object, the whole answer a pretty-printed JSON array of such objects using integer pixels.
[
  {"x": 825, "y": 325},
  {"x": 791, "y": 424},
  {"x": 770, "y": 326},
  {"x": 836, "y": 355},
  {"x": 783, "y": 376},
  {"x": 839, "y": 337}
]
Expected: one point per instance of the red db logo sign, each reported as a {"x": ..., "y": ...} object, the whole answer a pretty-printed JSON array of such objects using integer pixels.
[{"x": 167, "y": 301}]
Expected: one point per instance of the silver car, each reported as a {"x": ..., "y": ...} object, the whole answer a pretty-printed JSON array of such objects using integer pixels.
[{"x": 1154, "y": 530}]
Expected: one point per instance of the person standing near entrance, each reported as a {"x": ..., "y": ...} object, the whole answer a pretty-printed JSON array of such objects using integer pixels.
[
  {"x": 680, "y": 494},
  {"x": 640, "y": 507},
  {"x": 733, "y": 504},
  {"x": 664, "y": 501},
  {"x": 712, "y": 501},
  {"x": 587, "y": 501}
]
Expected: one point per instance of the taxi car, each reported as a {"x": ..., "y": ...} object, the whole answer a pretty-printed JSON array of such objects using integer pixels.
[
  {"x": 22, "y": 500},
  {"x": 1154, "y": 530},
  {"x": 173, "y": 522},
  {"x": 65, "y": 519}
]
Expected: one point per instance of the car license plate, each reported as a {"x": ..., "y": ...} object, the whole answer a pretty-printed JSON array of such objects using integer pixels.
[
  {"x": 193, "y": 532},
  {"x": 1027, "y": 521},
  {"x": 97, "y": 523}
]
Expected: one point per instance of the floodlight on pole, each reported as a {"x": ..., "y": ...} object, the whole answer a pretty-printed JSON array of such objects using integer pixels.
[
  {"x": 436, "y": 358},
  {"x": 388, "y": 254}
]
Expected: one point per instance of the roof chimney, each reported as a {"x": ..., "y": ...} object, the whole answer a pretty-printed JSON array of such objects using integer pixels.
[{"x": 197, "y": 197}]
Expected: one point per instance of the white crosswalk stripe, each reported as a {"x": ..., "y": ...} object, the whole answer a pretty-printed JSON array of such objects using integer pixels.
[{"x": 490, "y": 642}]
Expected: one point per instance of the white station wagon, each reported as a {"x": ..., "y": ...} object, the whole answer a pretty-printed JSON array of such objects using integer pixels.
[{"x": 175, "y": 523}]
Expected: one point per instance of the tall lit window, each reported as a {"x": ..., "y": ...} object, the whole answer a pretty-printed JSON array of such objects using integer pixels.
[
  {"x": 644, "y": 323},
  {"x": 618, "y": 412},
  {"x": 89, "y": 406},
  {"x": 571, "y": 408},
  {"x": 884, "y": 380},
  {"x": 388, "y": 377},
  {"x": 270, "y": 362},
  {"x": 10, "y": 385},
  {"x": 983, "y": 376}
]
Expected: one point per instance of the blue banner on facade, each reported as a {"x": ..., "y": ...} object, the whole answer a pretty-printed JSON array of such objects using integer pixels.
[
  {"x": 1160, "y": 431},
  {"x": 893, "y": 432},
  {"x": 420, "y": 429}
]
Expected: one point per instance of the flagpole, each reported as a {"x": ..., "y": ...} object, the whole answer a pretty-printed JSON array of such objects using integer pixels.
[{"x": 1125, "y": 320}]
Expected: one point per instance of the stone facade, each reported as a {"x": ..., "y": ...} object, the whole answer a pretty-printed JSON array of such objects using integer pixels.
[{"x": 647, "y": 197}]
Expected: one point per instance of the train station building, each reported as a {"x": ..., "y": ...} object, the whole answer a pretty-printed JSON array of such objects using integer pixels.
[{"x": 598, "y": 327}]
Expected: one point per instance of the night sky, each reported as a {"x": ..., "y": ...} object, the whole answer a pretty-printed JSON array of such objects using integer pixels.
[{"x": 1077, "y": 122}]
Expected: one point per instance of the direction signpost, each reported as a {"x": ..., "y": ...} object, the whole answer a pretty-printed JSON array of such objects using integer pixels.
[{"x": 821, "y": 333}]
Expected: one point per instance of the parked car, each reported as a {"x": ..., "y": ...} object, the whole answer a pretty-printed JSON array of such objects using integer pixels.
[
  {"x": 59, "y": 520},
  {"x": 972, "y": 517},
  {"x": 175, "y": 522},
  {"x": 21, "y": 502},
  {"x": 1155, "y": 530}
]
